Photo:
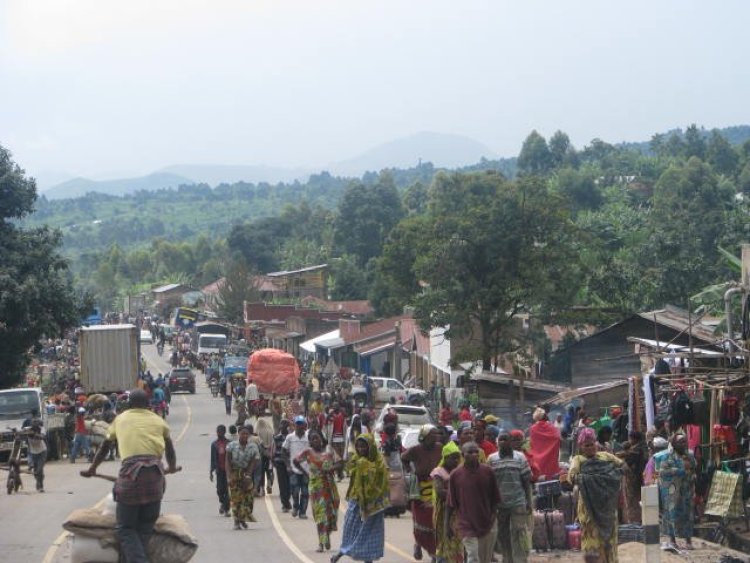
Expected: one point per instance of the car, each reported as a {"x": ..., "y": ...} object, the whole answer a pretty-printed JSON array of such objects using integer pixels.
[
  {"x": 388, "y": 390},
  {"x": 146, "y": 337},
  {"x": 409, "y": 417},
  {"x": 181, "y": 379}
]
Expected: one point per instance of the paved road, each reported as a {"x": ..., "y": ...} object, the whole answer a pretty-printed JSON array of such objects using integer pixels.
[{"x": 30, "y": 523}]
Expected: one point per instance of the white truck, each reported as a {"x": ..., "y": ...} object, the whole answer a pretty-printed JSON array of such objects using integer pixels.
[
  {"x": 109, "y": 358},
  {"x": 18, "y": 405}
]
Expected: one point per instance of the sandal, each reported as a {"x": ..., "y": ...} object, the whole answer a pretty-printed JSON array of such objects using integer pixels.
[{"x": 320, "y": 549}]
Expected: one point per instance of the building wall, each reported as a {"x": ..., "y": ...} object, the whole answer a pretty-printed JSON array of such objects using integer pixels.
[{"x": 608, "y": 356}]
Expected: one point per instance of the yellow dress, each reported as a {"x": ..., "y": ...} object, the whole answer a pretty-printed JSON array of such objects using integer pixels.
[{"x": 591, "y": 540}]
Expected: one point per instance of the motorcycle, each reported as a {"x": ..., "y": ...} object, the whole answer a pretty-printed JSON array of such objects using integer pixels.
[
  {"x": 214, "y": 385},
  {"x": 160, "y": 348}
]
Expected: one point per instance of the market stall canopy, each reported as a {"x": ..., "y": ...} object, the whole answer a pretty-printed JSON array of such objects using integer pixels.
[{"x": 309, "y": 345}]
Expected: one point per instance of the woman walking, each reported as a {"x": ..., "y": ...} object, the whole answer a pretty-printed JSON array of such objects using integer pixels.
[
  {"x": 324, "y": 495},
  {"x": 449, "y": 547},
  {"x": 364, "y": 524},
  {"x": 242, "y": 457},
  {"x": 599, "y": 477},
  {"x": 423, "y": 458}
]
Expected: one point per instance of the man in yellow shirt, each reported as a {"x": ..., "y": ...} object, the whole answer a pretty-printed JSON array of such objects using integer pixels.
[{"x": 142, "y": 437}]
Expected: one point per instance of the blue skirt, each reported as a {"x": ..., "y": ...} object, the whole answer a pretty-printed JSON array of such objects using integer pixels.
[{"x": 363, "y": 541}]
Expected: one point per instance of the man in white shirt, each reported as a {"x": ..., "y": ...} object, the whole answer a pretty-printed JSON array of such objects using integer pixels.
[
  {"x": 295, "y": 443},
  {"x": 251, "y": 397}
]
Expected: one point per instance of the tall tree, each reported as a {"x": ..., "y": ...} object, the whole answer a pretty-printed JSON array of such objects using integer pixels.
[
  {"x": 509, "y": 252},
  {"x": 396, "y": 283},
  {"x": 721, "y": 155},
  {"x": 687, "y": 223},
  {"x": 366, "y": 214},
  {"x": 237, "y": 287},
  {"x": 535, "y": 157},
  {"x": 37, "y": 297}
]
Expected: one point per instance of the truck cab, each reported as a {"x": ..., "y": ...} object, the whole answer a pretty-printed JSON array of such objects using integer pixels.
[{"x": 17, "y": 405}]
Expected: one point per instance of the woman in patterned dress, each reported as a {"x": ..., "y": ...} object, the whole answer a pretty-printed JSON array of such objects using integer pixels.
[
  {"x": 449, "y": 549},
  {"x": 364, "y": 524},
  {"x": 324, "y": 495},
  {"x": 599, "y": 478},
  {"x": 242, "y": 457}
]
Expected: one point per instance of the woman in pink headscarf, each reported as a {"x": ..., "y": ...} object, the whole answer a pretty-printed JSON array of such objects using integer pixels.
[{"x": 544, "y": 440}]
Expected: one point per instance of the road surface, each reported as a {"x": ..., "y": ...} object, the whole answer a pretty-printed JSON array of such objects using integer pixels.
[{"x": 30, "y": 522}]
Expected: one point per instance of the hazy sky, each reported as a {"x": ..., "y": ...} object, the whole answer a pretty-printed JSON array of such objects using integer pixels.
[{"x": 109, "y": 88}]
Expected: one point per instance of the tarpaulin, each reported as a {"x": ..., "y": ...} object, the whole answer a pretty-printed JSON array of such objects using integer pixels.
[
  {"x": 273, "y": 371},
  {"x": 545, "y": 445}
]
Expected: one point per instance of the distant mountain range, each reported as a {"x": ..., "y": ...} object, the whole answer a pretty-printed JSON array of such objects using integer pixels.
[
  {"x": 440, "y": 149},
  {"x": 449, "y": 151},
  {"x": 81, "y": 186}
]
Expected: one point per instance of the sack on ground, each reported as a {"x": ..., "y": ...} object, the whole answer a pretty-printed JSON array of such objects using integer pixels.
[{"x": 173, "y": 541}]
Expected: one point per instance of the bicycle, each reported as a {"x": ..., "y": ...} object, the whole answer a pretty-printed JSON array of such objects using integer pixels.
[{"x": 13, "y": 483}]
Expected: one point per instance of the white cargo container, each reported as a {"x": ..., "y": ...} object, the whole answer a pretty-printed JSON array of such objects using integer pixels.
[{"x": 109, "y": 358}]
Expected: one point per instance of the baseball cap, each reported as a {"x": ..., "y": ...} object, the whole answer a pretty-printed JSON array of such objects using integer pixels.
[
  {"x": 491, "y": 419},
  {"x": 81, "y": 410},
  {"x": 299, "y": 419}
]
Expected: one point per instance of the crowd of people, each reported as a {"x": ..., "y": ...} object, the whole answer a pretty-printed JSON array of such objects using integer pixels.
[{"x": 469, "y": 483}]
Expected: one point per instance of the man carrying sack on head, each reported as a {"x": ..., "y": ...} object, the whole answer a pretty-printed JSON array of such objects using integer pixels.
[{"x": 142, "y": 437}]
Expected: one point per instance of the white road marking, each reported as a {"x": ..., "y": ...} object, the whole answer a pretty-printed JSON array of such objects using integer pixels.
[{"x": 282, "y": 533}]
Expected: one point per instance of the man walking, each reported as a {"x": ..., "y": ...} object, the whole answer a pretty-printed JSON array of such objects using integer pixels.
[
  {"x": 142, "y": 437},
  {"x": 294, "y": 444},
  {"x": 282, "y": 474},
  {"x": 513, "y": 477},
  {"x": 219, "y": 466},
  {"x": 37, "y": 453},
  {"x": 473, "y": 495}
]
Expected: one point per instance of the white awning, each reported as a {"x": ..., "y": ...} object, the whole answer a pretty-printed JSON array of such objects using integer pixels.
[{"x": 309, "y": 345}]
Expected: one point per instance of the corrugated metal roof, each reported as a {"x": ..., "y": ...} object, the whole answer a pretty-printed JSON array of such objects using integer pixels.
[
  {"x": 168, "y": 287},
  {"x": 300, "y": 271}
]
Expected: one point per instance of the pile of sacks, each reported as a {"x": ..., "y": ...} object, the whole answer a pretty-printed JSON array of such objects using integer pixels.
[{"x": 94, "y": 538}]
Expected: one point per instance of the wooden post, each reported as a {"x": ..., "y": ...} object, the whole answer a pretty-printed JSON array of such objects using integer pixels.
[
  {"x": 712, "y": 416},
  {"x": 650, "y": 519}
]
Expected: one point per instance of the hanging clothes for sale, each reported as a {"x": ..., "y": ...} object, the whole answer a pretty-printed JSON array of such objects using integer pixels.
[{"x": 648, "y": 396}]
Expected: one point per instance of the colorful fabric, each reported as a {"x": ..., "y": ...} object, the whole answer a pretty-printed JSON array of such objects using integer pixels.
[
  {"x": 449, "y": 550},
  {"x": 422, "y": 513},
  {"x": 140, "y": 481},
  {"x": 241, "y": 495},
  {"x": 592, "y": 541},
  {"x": 368, "y": 482},
  {"x": 677, "y": 489},
  {"x": 324, "y": 495},
  {"x": 545, "y": 445},
  {"x": 363, "y": 538},
  {"x": 451, "y": 448},
  {"x": 242, "y": 456}
]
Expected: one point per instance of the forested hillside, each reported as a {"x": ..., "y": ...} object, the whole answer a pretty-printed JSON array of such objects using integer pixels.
[{"x": 616, "y": 227}]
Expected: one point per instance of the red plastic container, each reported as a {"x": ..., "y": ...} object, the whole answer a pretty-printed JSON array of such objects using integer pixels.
[{"x": 574, "y": 539}]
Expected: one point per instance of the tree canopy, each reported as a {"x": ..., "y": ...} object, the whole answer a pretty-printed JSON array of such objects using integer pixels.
[{"x": 37, "y": 297}]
